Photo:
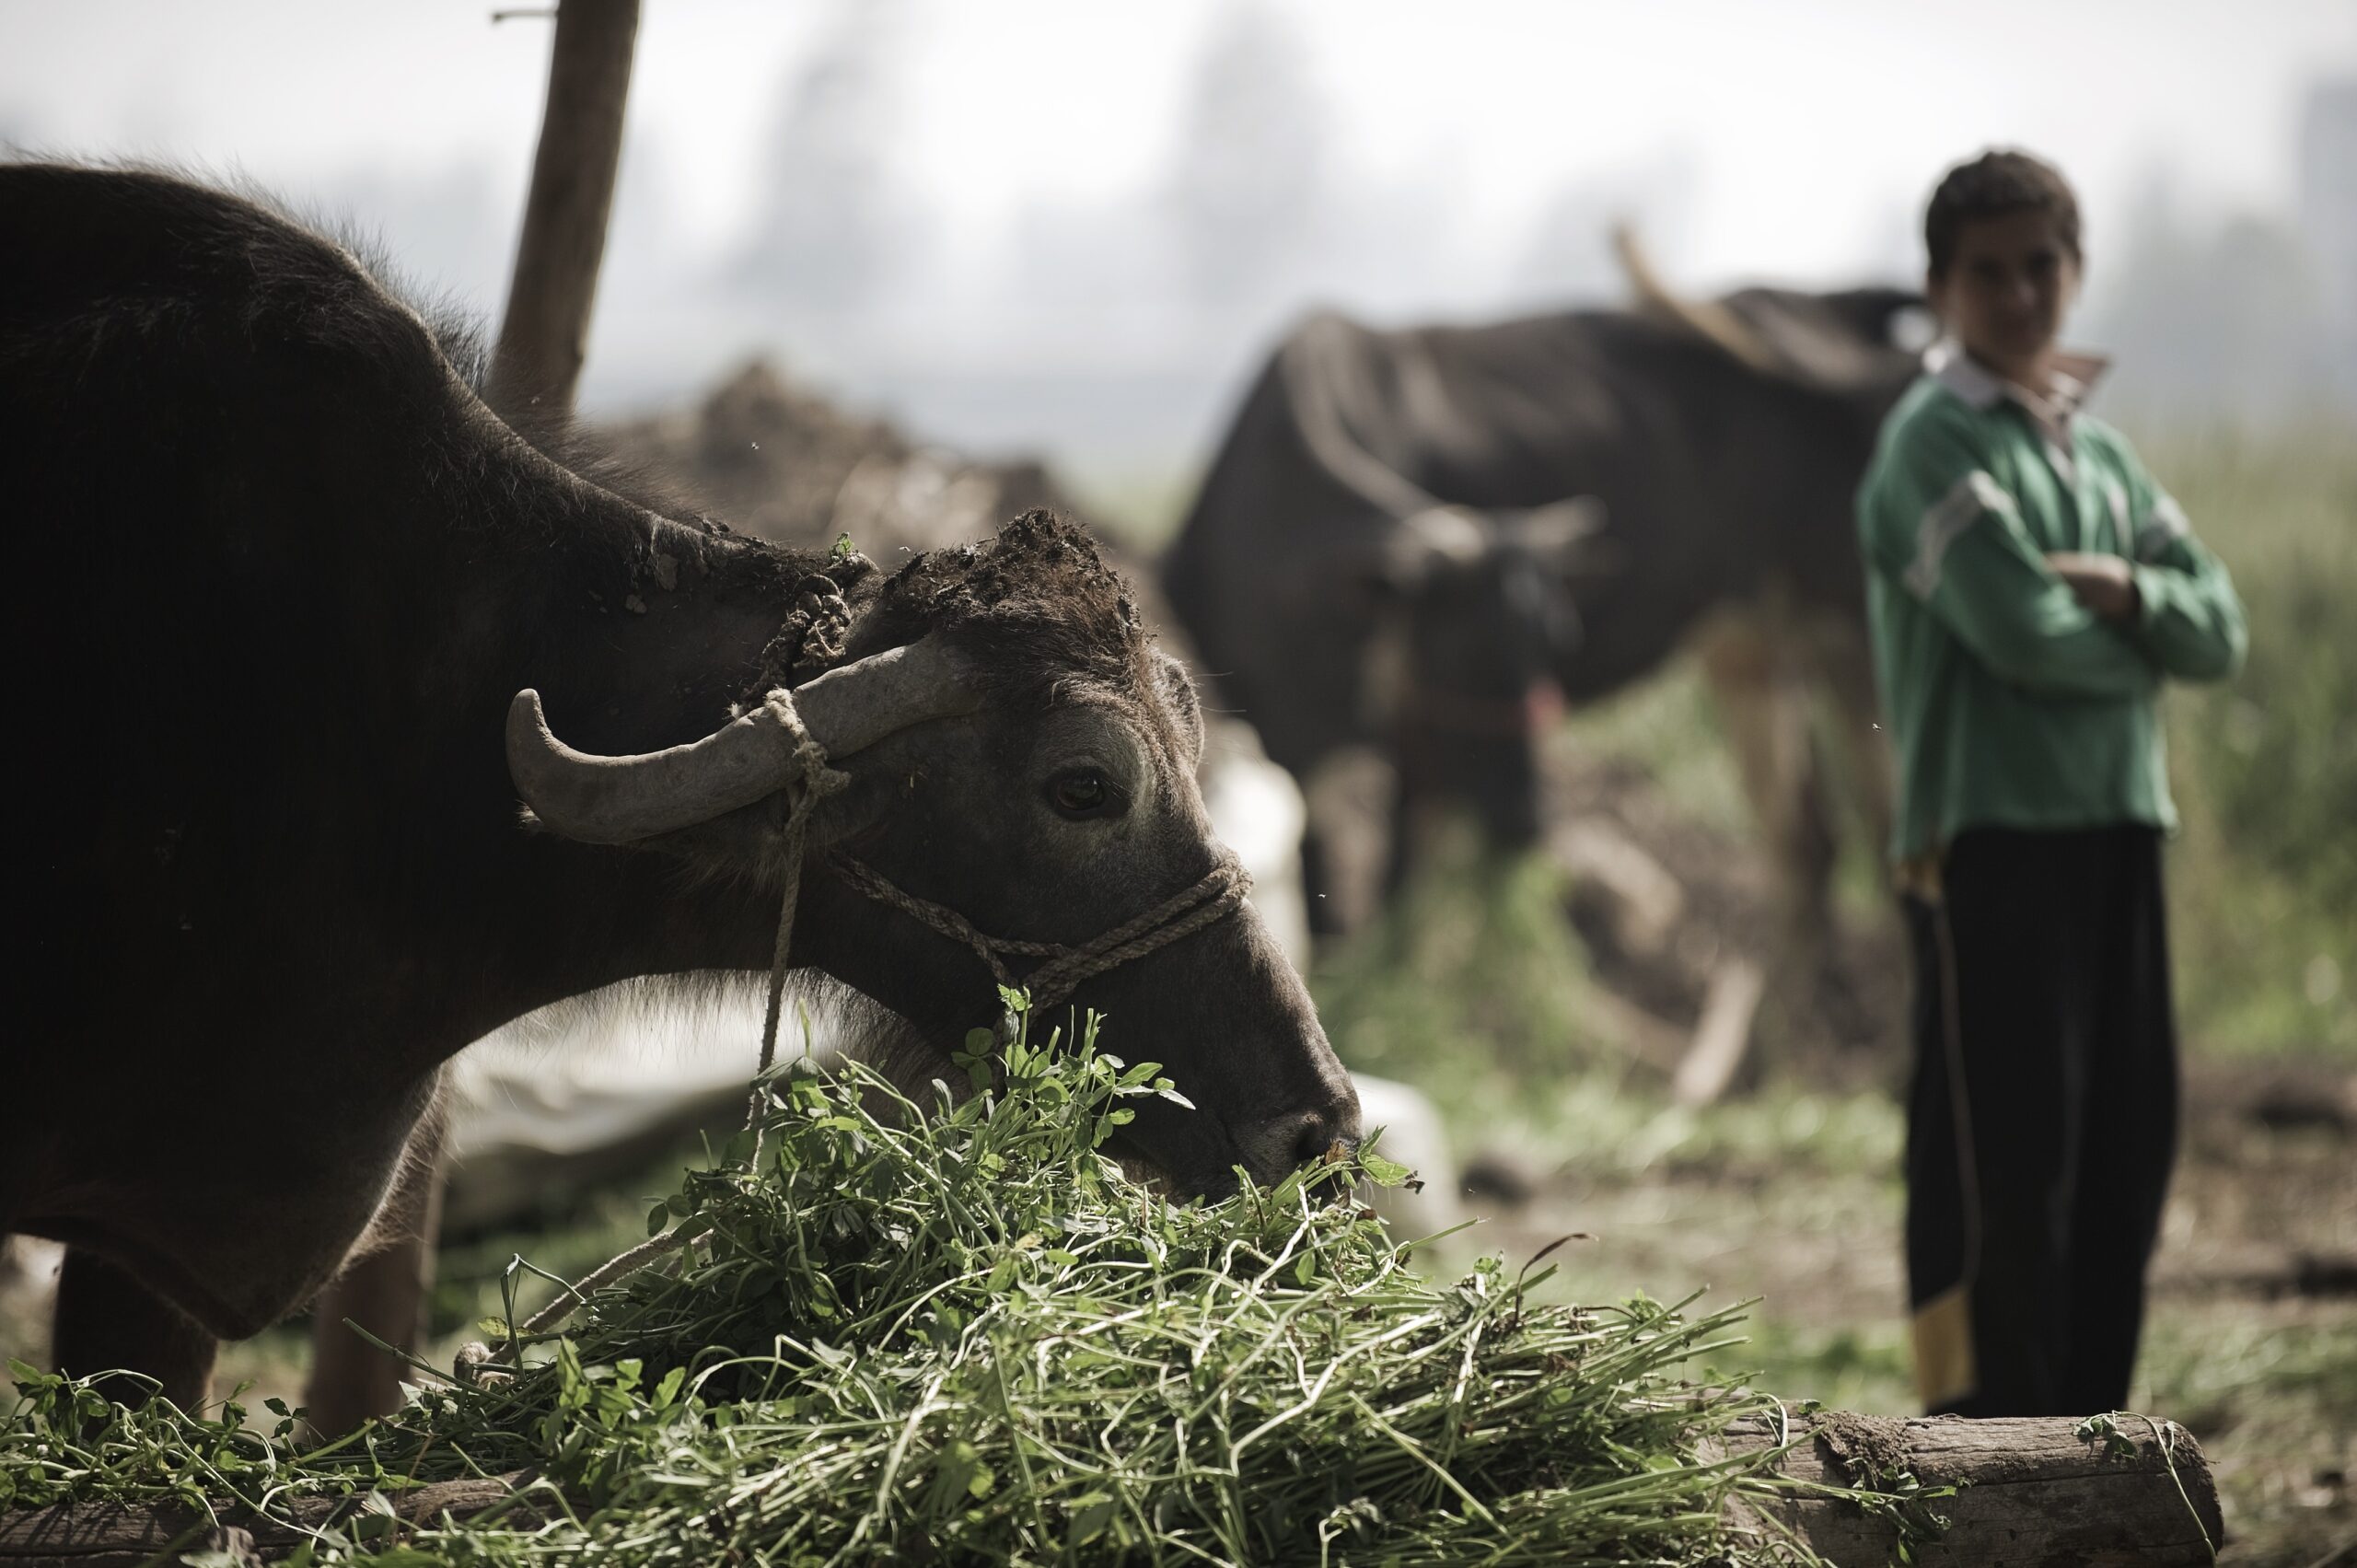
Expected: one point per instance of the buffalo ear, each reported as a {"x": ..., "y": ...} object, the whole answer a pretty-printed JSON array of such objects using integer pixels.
[{"x": 1178, "y": 689}]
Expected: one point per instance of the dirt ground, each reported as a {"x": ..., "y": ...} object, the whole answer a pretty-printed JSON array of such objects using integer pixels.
[
  {"x": 2251, "y": 1334},
  {"x": 2251, "y": 1331},
  {"x": 1788, "y": 1192},
  {"x": 1664, "y": 904},
  {"x": 2251, "y": 1337}
]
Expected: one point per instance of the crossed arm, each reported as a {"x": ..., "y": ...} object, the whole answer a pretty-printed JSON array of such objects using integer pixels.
[
  {"x": 2178, "y": 606},
  {"x": 2068, "y": 623}
]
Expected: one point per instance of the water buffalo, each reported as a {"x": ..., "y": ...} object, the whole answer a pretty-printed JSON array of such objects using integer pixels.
[
  {"x": 1416, "y": 540},
  {"x": 281, "y": 575}
]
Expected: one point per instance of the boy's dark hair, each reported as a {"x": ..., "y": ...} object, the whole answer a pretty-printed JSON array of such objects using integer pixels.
[{"x": 1992, "y": 185}]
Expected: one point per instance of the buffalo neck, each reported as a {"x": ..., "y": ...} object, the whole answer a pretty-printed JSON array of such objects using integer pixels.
[{"x": 639, "y": 633}]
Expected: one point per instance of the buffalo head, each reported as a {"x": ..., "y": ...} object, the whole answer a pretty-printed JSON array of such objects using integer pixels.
[
  {"x": 1016, "y": 750},
  {"x": 1478, "y": 615}
]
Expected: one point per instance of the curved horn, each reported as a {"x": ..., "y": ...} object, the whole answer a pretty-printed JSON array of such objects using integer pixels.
[
  {"x": 1706, "y": 318},
  {"x": 617, "y": 800},
  {"x": 1457, "y": 535},
  {"x": 1559, "y": 533},
  {"x": 1322, "y": 356},
  {"x": 851, "y": 709}
]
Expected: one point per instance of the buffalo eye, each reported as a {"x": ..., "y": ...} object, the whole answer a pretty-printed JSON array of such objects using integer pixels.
[{"x": 1083, "y": 791}]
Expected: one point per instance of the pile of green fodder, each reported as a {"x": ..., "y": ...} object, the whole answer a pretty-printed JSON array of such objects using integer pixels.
[{"x": 960, "y": 1333}]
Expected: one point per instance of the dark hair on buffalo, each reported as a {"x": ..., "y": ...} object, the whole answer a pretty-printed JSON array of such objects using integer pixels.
[
  {"x": 1039, "y": 610},
  {"x": 1036, "y": 606},
  {"x": 1998, "y": 183}
]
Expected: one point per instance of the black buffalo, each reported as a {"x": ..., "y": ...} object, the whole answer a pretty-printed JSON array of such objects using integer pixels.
[
  {"x": 1417, "y": 540},
  {"x": 281, "y": 574}
]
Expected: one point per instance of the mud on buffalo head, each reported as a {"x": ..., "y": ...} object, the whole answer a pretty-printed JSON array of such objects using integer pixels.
[{"x": 1019, "y": 762}]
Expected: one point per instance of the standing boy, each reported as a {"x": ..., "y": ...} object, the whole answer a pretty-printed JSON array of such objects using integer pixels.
[{"x": 2030, "y": 587}]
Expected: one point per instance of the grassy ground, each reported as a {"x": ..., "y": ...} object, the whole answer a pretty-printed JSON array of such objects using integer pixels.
[
  {"x": 2264, "y": 878},
  {"x": 1790, "y": 1197},
  {"x": 1792, "y": 1193},
  {"x": 1482, "y": 994}
]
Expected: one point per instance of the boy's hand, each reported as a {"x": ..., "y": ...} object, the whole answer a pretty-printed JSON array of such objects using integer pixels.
[{"x": 2103, "y": 583}]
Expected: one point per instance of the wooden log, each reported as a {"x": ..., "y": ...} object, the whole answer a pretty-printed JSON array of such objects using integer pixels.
[
  {"x": 2125, "y": 1488},
  {"x": 2031, "y": 1493},
  {"x": 108, "y": 1535}
]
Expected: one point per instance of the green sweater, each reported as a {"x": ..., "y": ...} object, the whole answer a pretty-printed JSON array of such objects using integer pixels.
[{"x": 2008, "y": 703}]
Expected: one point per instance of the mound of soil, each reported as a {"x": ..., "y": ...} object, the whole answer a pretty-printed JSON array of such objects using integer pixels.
[
  {"x": 776, "y": 459},
  {"x": 768, "y": 455}
]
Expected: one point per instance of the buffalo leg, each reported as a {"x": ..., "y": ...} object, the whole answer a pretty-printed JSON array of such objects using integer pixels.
[
  {"x": 384, "y": 1292},
  {"x": 107, "y": 1322},
  {"x": 1845, "y": 668},
  {"x": 1763, "y": 703},
  {"x": 1317, "y": 884},
  {"x": 1351, "y": 840}
]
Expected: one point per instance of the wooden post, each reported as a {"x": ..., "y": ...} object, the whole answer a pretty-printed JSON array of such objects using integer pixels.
[{"x": 545, "y": 333}]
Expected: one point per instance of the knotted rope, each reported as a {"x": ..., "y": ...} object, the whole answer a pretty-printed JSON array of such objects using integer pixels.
[
  {"x": 1181, "y": 915},
  {"x": 813, "y": 779}
]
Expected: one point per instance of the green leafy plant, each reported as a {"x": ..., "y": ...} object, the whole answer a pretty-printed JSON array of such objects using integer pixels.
[{"x": 954, "y": 1330}]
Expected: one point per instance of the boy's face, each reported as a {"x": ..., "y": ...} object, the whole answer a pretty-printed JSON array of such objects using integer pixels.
[{"x": 2005, "y": 291}]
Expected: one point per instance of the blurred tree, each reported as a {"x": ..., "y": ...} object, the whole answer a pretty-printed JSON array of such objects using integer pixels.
[
  {"x": 1402, "y": 243},
  {"x": 2328, "y": 186},
  {"x": 1248, "y": 194},
  {"x": 832, "y": 224},
  {"x": 2211, "y": 317}
]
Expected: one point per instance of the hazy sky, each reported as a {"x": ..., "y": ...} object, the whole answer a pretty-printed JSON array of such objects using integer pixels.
[
  {"x": 1802, "y": 134},
  {"x": 1836, "y": 108}
]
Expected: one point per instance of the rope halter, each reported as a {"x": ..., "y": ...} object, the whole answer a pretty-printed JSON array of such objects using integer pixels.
[
  {"x": 1211, "y": 899},
  {"x": 1182, "y": 914}
]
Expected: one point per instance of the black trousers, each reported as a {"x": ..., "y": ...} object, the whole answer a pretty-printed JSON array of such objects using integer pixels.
[{"x": 2042, "y": 1124}]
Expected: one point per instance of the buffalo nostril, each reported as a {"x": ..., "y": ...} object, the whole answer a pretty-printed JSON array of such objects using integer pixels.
[
  {"x": 1328, "y": 1128},
  {"x": 1319, "y": 1134},
  {"x": 1307, "y": 1133}
]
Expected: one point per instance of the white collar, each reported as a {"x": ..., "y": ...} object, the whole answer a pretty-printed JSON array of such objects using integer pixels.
[{"x": 2075, "y": 375}]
